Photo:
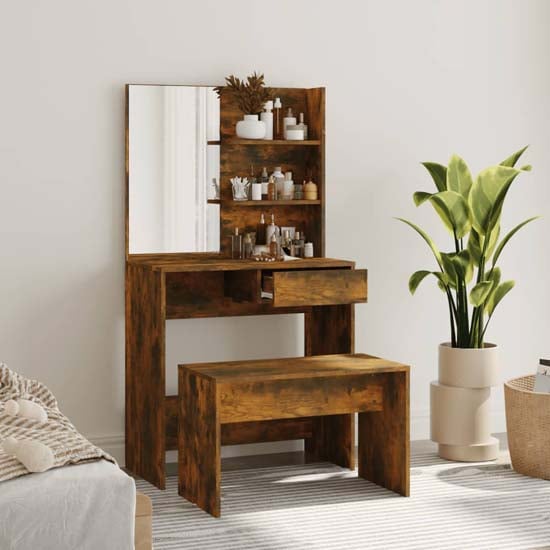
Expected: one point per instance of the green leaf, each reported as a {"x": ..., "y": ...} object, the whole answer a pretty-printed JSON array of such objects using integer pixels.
[
  {"x": 421, "y": 197},
  {"x": 475, "y": 244},
  {"x": 487, "y": 196},
  {"x": 438, "y": 173},
  {"x": 479, "y": 292},
  {"x": 416, "y": 278},
  {"x": 449, "y": 268},
  {"x": 453, "y": 211},
  {"x": 512, "y": 159},
  {"x": 459, "y": 178},
  {"x": 426, "y": 238},
  {"x": 497, "y": 296},
  {"x": 505, "y": 240},
  {"x": 464, "y": 265}
]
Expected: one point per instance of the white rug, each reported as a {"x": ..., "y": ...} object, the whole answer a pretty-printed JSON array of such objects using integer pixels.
[{"x": 321, "y": 506}]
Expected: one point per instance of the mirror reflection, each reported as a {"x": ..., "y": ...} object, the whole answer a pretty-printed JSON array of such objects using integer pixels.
[{"x": 173, "y": 160}]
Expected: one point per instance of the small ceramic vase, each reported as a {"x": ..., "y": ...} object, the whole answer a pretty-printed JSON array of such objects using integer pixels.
[{"x": 251, "y": 128}]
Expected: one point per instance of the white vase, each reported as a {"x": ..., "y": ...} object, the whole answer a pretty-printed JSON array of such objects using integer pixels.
[
  {"x": 251, "y": 128},
  {"x": 460, "y": 403}
]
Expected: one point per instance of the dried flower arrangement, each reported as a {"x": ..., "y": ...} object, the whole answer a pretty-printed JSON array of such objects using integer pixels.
[{"x": 250, "y": 94}]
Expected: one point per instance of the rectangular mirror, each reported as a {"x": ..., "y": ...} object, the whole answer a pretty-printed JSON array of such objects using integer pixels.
[{"x": 173, "y": 158}]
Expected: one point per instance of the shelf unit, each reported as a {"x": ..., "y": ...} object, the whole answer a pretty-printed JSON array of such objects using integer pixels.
[{"x": 305, "y": 159}]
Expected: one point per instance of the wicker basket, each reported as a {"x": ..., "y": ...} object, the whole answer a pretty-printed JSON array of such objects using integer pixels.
[{"x": 528, "y": 426}]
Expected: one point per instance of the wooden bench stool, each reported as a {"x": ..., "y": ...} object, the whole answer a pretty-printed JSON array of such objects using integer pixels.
[{"x": 328, "y": 387}]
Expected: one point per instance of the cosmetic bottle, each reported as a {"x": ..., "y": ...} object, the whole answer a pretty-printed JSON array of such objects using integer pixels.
[
  {"x": 255, "y": 186},
  {"x": 298, "y": 245},
  {"x": 308, "y": 250},
  {"x": 274, "y": 247},
  {"x": 279, "y": 182},
  {"x": 278, "y": 106},
  {"x": 302, "y": 126},
  {"x": 271, "y": 230},
  {"x": 272, "y": 189},
  {"x": 260, "y": 230},
  {"x": 248, "y": 246},
  {"x": 288, "y": 187},
  {"x": 236, "y": 245},
  {"x": 286, "y": 243},
  {"x": 310, "y": 191},
  {"x": 267, "y": 118},
  {"x": 289, "y": 120},
  {"x": 298, "y": 191},
  {"x": 264, "y": 179}
]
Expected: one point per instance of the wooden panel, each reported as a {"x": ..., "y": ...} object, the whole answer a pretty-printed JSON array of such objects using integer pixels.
[
  {"x": 319, "y": 287},
  {"x": 145, "y": 378},
  {"x": 199, "y": 469},
  {"x": 241, "y": 432},
  {"x": 383, "y": 454},
  {"x": 243, "y": 286},
  {"x": 296, "y": 397}
]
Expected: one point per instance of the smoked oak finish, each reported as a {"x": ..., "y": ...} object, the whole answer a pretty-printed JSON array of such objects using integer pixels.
[{"x": 213, "y": 395}]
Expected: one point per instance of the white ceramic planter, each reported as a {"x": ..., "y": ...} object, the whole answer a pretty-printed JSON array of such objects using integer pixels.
[
  {"x": 251, "y": 127},
  {"x": 460, "y": 403}
]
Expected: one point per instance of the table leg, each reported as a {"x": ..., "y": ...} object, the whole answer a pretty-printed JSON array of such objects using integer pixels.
[
  {"x": 199, "y": 442},
  {"x": 333, "y": 440},
  {"x": 383, "y": 455}
]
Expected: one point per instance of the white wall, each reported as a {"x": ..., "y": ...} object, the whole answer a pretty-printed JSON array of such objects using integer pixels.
[{"x": 407, "y": 81}]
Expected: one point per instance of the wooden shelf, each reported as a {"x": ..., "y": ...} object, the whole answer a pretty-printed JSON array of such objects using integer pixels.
[
  {"x": 266, "y": 142},
  {"x": 275, "y": 203},
  {"x": 214, "y": 201}
]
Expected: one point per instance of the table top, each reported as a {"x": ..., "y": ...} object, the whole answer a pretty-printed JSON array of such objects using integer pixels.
[{"x": 295, "y": 368}]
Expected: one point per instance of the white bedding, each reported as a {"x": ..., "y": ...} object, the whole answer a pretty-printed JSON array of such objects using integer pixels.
[{"x": 87, "y": 506}]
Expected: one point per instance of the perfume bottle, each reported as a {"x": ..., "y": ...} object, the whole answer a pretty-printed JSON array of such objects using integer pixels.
[
  {"x": 298, "y": 245},
  {"x": 248, "y": 246},
  {"x": 279, "y": 181},
  {"x": 260, "y": 230},
  {"x": 288, "y": 187},
  {"x": 302, "y": 126},
  {"x": 272, "y": 189},
  {"x": 278, "y": 106},
  {"x": 264, "y": 179},
  {"x": 299, "y": 191},
  {"x": 236, "y": 245},
  {"x": 274, "y": 247},
  {"x": 271, "y": 230},
  {"x": 289, "y": 120},
  {"x": 286, "y": 243}
]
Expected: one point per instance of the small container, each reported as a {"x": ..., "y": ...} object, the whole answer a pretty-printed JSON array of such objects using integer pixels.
[
  {"x": 274, "y": 247},
  {"x": 264, "y": 179},
  {"x": 294, "y": 133},
  {"x": 271, "y": 230},
  {"x": 236, "y": 245},
  {"x": 256, "y": 191},
  {"x": 279, "y": 181},
  {"x": 289, "y": 120},
  {"x": 272, "y": 189},
  {"x": 248, "y": 246},
  {"x": 298, "y": 245},
  {"x": 240, "y": 187},
  {"x": 288, "y": 187},
  {"x": 308, "y": 250},
  {"x": 302, "y": 126},
  {"x": 260, "y": 230},
  {"x": 310, "y": 191},
  {"x": 298, "y": 191},
  {"x": 267, "y": 118}
]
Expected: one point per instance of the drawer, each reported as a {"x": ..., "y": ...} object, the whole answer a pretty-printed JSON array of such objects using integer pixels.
[{"x": 323, "y": 287}]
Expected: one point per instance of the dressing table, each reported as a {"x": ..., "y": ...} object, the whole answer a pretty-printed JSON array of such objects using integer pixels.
[{"x": 178, "y": 263}]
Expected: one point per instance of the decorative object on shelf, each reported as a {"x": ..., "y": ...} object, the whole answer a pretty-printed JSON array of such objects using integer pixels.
[
  {"x": 302, "y": 126},
  {"x": 260, "y": 230},
  {"x": 279, "y": 181},
  {"x": 289, "y": 120},
  {"x": 267, "y": 118},
  {"x": 249, "y": 242},
  {"x": 294, "y": 133},
  {"x": 250, "y": 96},
  {"x": 256, "y": 191},
  {"x": 236, "y": 245},
  {"x": 468, "y": 367},
  {"x": 310, "y": 191},
  {"x": 264, "y": 179},
  {"x": 288, "y": 187},
  {"x": 272, "y": 189},
  {"x": 527, "y": 422},
  {"x": 214, "y": 189},
  {"x": 278, "y": 106},
  {"x": 308, "y": 250},
  {"x": 271, "y": 230},
  {"x": 240, "y": 188},
  {"x": 299, "y": 191}
]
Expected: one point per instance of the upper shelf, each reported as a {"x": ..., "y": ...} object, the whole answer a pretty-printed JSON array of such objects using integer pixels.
[{"x": 283, "y": 142}]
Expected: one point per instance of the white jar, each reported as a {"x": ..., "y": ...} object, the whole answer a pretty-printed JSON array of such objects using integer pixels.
[{"x": 251, "y": 128}]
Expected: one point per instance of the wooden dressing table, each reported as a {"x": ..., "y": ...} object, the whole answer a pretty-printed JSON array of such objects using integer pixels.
[{"x": 164, "y": 286}]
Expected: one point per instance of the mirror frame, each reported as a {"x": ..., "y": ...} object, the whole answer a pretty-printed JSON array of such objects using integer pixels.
[{"x": 153, "y": 255}]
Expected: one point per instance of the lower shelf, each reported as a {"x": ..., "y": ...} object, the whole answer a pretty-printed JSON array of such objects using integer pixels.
[{"x": 240, "y": 433}]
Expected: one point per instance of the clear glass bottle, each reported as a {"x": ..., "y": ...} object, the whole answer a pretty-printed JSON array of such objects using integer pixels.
[
  {"x": 248, "y": 246},
  {"x": 298, "y": 191},
  {"x": 260, "y": 230},
  {"x": 236, "y": 245},
  {"x": 264, "y": 179},
  {"x": 272, "y": 189},
  {"x": 298, "y": 245},
  {"x": 302, "y": 126}
]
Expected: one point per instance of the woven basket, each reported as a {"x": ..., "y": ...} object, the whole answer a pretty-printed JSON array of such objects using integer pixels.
[{"x": 528, "y": 426}]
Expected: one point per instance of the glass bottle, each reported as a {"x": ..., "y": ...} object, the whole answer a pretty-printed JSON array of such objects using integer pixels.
[
  {"x": 236, "y": 245},
  {"x": 264, "y": 179},
  {"x": 302, "y": 126},
  {"x": 260, "y": 230},
  {"x": 272, "y": 189},
  {"x": 298, "y": 245}
]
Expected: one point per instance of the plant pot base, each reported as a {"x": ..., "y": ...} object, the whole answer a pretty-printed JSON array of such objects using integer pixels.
[{"x": 470, "y": 453}]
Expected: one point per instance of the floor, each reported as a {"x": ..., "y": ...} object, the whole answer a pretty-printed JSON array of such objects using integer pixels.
[{"x": 273, "y": 502}]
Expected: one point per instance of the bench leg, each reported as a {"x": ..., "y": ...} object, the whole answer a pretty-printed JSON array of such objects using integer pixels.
[
  {"x": 383, "y": 455},
  {"x": 199, "y": 442},
  {"x": 333, "y": 440}
]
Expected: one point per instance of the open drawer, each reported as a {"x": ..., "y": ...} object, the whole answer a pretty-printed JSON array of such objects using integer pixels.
[{"x": 322, "y": 287}]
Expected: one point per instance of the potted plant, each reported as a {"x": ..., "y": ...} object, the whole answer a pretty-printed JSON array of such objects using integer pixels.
[
  {"x": 470, "y": 278},
  {"x": 250, "y": 96}
]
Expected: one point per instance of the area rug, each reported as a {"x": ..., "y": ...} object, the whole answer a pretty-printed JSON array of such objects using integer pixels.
[{"x": 321, "y": 506}]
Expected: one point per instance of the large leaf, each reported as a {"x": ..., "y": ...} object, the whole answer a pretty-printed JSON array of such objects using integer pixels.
[
  {"x": 459, "y": 178},
  {"x": 449, "y": 268},
  {"x": 479, "y": 292},
  {"x": 426, "y": 238},
  {"x": 453, "y": 211},
  {"x": 475, "y": 244},
  {"x": 497, "y": 296},
  {"x": 505, "y": 240},
  {"x": 487, "y": 196},
  {"x": 512, "y": 159},
  {"x": 438, "y": 173},
  {"x": 463, "y": 265},
  {"x": 418, "y": 276}
]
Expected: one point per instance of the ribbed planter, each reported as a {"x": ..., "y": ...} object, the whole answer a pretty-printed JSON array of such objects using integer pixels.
[{"x": 460, "y": 403}]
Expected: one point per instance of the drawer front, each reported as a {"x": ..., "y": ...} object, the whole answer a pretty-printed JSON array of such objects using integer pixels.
[
  {"x": 317, "y": 396},
  {"x": 319, "y": 287}
]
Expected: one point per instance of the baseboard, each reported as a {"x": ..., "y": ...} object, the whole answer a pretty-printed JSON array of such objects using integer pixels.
[{"x": 420, "y": 430}]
